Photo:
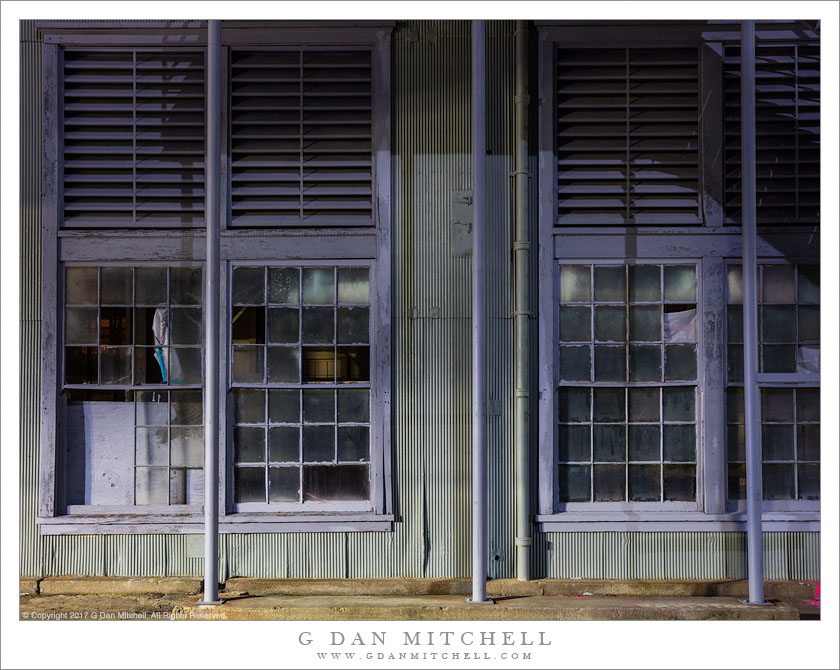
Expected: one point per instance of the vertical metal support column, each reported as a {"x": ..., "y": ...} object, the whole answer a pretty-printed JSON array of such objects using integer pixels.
[
  {"x": 522, "y": 310},
  {"x": 748, "y": 231},
  {"x": 479, "y": 313},
  {"x": 211, "y": 318}
]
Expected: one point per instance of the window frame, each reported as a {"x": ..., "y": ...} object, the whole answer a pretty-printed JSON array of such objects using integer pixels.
[
  {"x": 711, "y": 243},
  {"x": 165, "y": 246}
]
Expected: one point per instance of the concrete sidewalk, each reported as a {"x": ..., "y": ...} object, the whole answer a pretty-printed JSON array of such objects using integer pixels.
[
  {"x": 411, "y": 599},
  {"x": 509, "y": 608}
]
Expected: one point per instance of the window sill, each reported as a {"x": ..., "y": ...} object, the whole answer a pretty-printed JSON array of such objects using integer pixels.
[
  {"x": 192, "y": 523},
  {"x": 652, "y": 522}
]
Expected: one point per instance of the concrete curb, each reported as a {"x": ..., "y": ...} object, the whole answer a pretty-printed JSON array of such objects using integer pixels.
[{"x": 95, "y": 585}]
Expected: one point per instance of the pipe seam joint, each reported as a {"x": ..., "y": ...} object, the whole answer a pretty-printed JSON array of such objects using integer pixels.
[
  {"x": 522, "y": 99},
  {"x": 523, "y": 312},
  {"x": 518, "y": 172},
  {"x": 523, "y": 541},
  {"x": 521, "y": 246}
]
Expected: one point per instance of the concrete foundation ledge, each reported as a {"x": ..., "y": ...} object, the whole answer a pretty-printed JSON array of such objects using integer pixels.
[
  {"x": 95, "y": 585},
  {"x": 453, "y": 608}
]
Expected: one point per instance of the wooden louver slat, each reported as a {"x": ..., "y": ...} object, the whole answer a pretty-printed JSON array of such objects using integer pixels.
[
  {"x": 301, "y": 137},
  {"x": 133, "y": 153},
  {"x": 627, "y": 137},
  {"x": 787, "y": 133}
]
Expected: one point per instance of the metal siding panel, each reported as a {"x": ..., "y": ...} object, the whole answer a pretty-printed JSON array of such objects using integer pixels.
[
  {"x": 677, "y": 555},
  {"x": 30, "y": 297},
  {"x": 73, "y": 555}
]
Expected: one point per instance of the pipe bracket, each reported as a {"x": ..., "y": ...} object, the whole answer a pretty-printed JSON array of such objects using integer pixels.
[
  {"x": 523, "y": 312},
  {"x": 523, "y": 99},
  {"x": 521, "y": 246},
  {"x": 518, "y": 172},
  {"x": 523, "y": 541}
]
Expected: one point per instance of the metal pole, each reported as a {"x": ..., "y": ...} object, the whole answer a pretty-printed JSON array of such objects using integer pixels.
[
  {"x": 522, "y": 310},
  {"x": 479, "y": 305},
  {"x": 211, "y": 320},
  {"x": 751, "y": 410}
]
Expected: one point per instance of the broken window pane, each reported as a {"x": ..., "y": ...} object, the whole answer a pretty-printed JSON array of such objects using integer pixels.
[
  {"x": 318, "y": 364},
  {"x": 115, "y": 325},
  {"x": 352, "y": 364},
  {"x": 248, "y": 325},
  {"x": 680, "y": 326},
  {"x": 574, "y": 283},
  {"x": 737, "y": 481},
  {"x": 81, "y": 365}
]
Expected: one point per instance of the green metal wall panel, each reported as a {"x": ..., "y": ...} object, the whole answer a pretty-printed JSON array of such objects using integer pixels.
[{"x": 431, "y": 371}]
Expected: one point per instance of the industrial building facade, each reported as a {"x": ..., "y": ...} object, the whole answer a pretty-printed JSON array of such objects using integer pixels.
[{"x": 344, "y": 327}]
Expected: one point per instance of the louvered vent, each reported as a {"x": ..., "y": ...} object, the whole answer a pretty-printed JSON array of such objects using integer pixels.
[
  {"x": 787, "y": 111},
  {"x": 627, "y": 137},
  {"x": 301, "y": 123},
  {"x": 133, "y": 139}
]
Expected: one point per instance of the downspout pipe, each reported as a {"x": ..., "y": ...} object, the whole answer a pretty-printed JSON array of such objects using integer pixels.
[
  {"x": 479, "y": 320},
  {"x": 522, "y": 309},
  {"x": 752, "y": 425},
  {"x": 211, "y": 318}
]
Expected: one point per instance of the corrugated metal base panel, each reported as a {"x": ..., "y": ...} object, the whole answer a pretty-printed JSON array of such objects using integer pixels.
[{"x": 674, "y": 555}]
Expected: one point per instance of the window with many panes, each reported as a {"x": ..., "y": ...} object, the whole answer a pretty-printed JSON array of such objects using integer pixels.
[
  {"x": 132, "y": 385},
  {"x": 789, "y": 366},
  {"x": 627, "y": 370},
  {"x": 300, "y": 375}
]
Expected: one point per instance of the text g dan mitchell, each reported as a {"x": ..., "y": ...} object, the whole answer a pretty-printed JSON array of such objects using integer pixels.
[{"x": 428, "y": 638}]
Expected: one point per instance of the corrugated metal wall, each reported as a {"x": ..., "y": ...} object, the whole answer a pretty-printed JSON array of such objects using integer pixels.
[{"x": 431, "y": 372}]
